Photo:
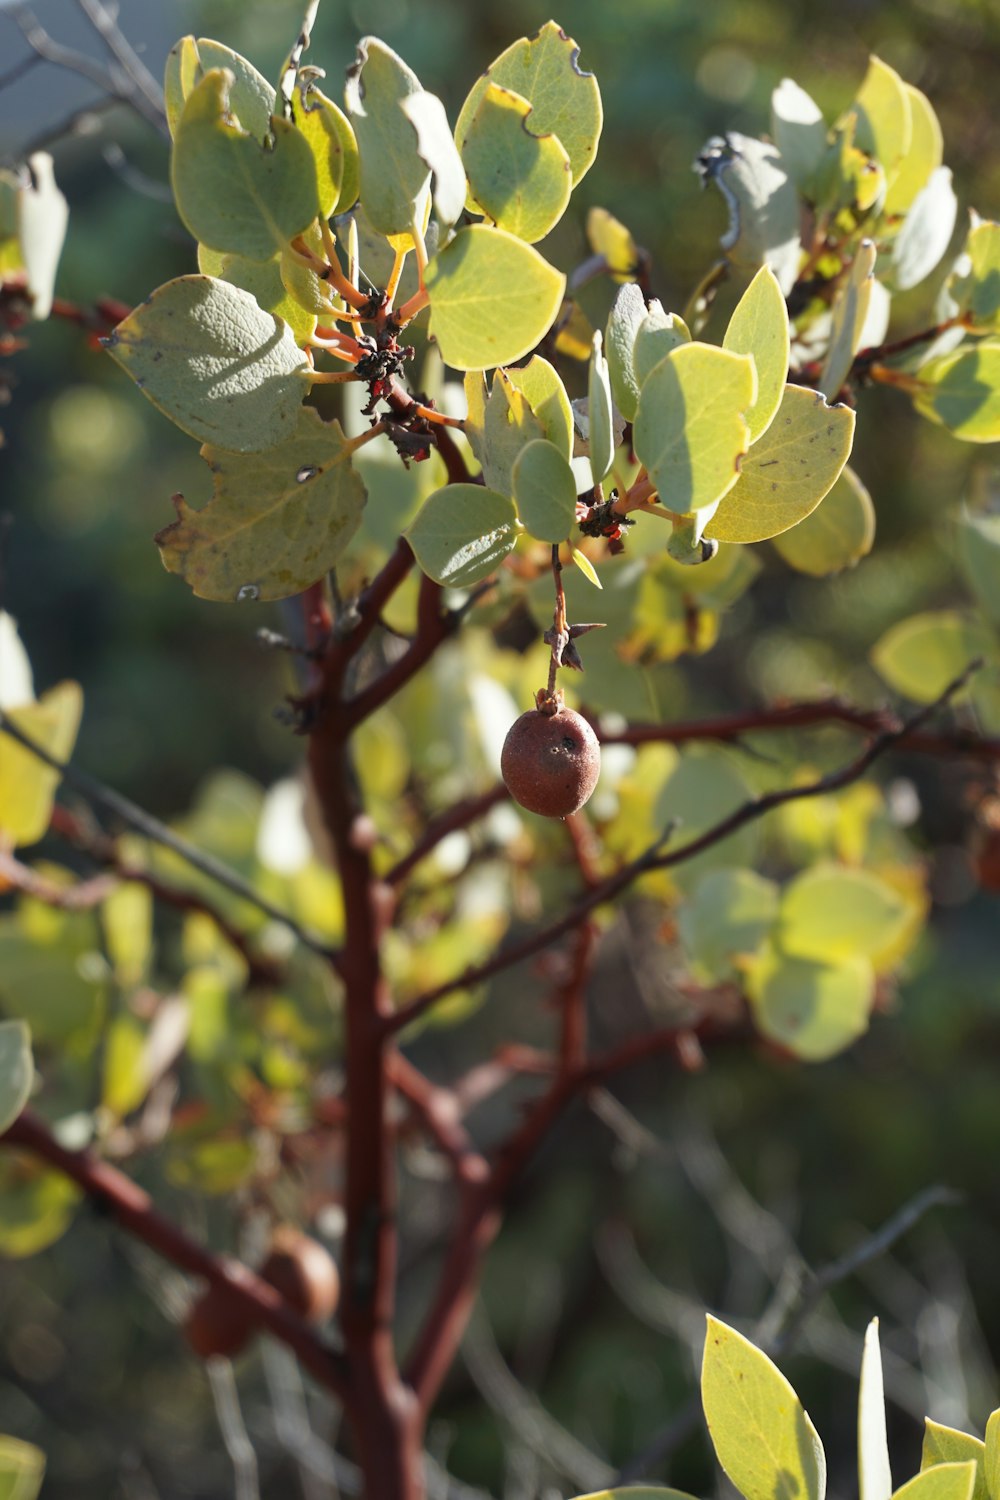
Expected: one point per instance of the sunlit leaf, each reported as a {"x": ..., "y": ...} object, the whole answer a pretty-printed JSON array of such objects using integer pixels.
[
  {"x": 926, "y": 232},
  {"x": 833, "y": 912},
  {"x": 394, "y": 176},
  {"x": 690, "y": 431},
  {"x": 612, "y": 241},
  {"x": 518, "y": 176},
  {"x": 251, "y": 97},
  {"x": 962, "y": 391},
  {"x": 22, "y": 1468},
  {"x": 27, "y": 784},
  {"x": 946, "y": 1481},
  {"x": 874, "y": 1476},
  {"x": 947, "y": 1445},
  {"x": 759, "y": 326},
  {"x": 214, "y": 362},
  {"x": 814, "y": 1009},
  {"x": 600, "y": 430},
  {"x": 921, "y": 655},
  {"x": 762, "y": 1436},
  {"x": 989, "y": 1468},
  {"x": 127, "y": 924},
  {"x": 36, "y": 1205},
  {"x": 436, "y": 148},
  {"x": 509, "y": 426},
  {"x": 657, "y": 335},
  {"x": 545, "y": 491},
  {"x": 492, "y": 298},
  {"x": 799, "y": 131},
  {"x": 17, "y": 1070},
  {"x": 637, "y": 1492},
  {"x": 541, "y": 387},
  {"x": 729, "y": 915},
  {"x": 763, "y": 205},
  {"x": 179, "y": 77},
  {"x": 276, "y": 521},
  {"x": 850, "y": 313},
  {"x": 335, "y": 153},
  {"x": 125, "y": 1080},
  {"x": 624, "y": 321},
  {"x": 884, "y": 126},
  {"x": 264, "y": 281},
  {"x": 836, "y": 535},
  {"x": 923, "y": 158},
  {"x": 976, "y": 289},
  {"x": 42, "y": 216},
  {"x": 462, "y": 534},
  {"x": 586, "y": 567},
  {"x": 788, "y": 471}
]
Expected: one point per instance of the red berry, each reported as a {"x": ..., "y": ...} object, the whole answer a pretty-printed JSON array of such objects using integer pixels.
[
  {"x": 216, "y": 1324},
  {"x": 551, "y": 762},
  {"x": 303, "y": 1272}
]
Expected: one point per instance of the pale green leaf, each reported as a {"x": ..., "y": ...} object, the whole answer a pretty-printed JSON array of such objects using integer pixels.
[
  {"x": 850, "y": 313},
  {"x": 923, "y": 158},
  {"x": 334, "y": 149},
  {"x": 17, "y": 1070},
  {"x": 544, "y": 70},
  {"x": 212, "y": 361},
  {"x": 976, "y": 289},
  {"x": 884, "y": 124},
  {"x": 834, "y": 912},
  {"x": 264, "y": 281},
  {"x": 788, "y": 471},
  {"x": 541, "y": 387},
  {"x": 277, "y": 520},
  {"x": 705, "y": 787},
  {"x": 624, "y": 321},
  {"x": 600, "y": 429},
  {"x": 978, "y": 537},
  {"x": 813, "y": 1009},
  {"x": 763, "y": 205},
  {"x": 27, "y": 785},
  {"x": 798, "y": 129},
  {"x": 179, "y": 77},
  {"x": 519, "y": 176},
  {"x": 251, "y": 98},
  {"x": 759, "y": 326},
  {"x": 463, "y": 533},
  {"x": 926, "y": 232},
  {"x": 436, "y": 148},
  {"x": 394, "y": 177},
  {"x": 989, "y": 1468},
  {"x": 545, "y": 491},
  {"x": 509, "y": 426},
  {"x": 42, "y": 216},
  {"x": 690, "y": 431},
  {"x": 962, "y": 391},
  {"x": 729, "y": 916},
  {"x": 22, "y": 1467},
  {"x": 836, "y": 535},
  {"x": 586, "y": 567},
  {"x": 657, "y": 335},
  {"x": 947, "y": 1445},
  {"x": 234, "y": 194},
  {"x": 874, "y": 1476},
  {"x": 762, "y": 1436},
  {"x": 921, "y": 655},
  {"x": 36, "y": 1206},
  {"x": 493, "y": 298},
  {"x": 946, "y": 1481}
]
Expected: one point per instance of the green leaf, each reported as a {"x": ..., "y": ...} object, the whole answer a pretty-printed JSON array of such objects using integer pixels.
[
  {"x": 884, "y": 126},
  {"x": 799, "y": 131},
  {"x": 17, "y": 1070},
  {"x": 836, "y": 535},
  {"x": 545, "y": 491},
  {"x": 948, "y": 1481},
  {"x": 277, "y": 520},
  {"x": 926, "y": 232},
  {"x": 394, "y": 177},
  {"x": 976, "y": 289},
  {"x": 263, "y": 280},
  {"x": 127, "y": 925},
  {"x": 759, "y": 326},
  {"x": 544, "y": 70},
  {"x": 42, "y": 216},
  {"x": 509, "y": 426},
  {"x": 436, "y": 148},
  {"x": 600, "y": 428},
  {"x": 36, "y": 1206},
  {"x": 763, "y": 205},
  {"x": 609, "y": 238},
  {"x": 849, "y": 315},
  {"x": 874, "y": 1476},
  {"x": 947, "y": 1445},
  {"x": 626, "y": 317},
  {"x": 27, "y": 785},
  {"x": 637, "y": 1492},
  {"x": 705, "y": 787},
  {"x": 234, "y": 194},
  {"x": 541, "y": 387},
  {"x": 762, "y": 1436},
  {"x": 251, "y": 98},
  {"x": 334, "y": 150},
  {"x": 989, "y": 1468},
  {"x": 179, "y": 77},
  {"x": 463, "y": 533},
  {"x": 787, "y": 473},
  {"x": 978, "y": 538},
  {"x": 833, "y": 912},
  {"x": 658, "y": 335},
  {"x": 213, "y": 362},
  {"x": 586, "y": 567},
  {"x": 962, "y": 391},
  {"x": 729, "y": 916},
  {"x": 813, "y": 1009},
  {"x": 520, "y": 179},
  {"x": 921, "y": 655},
  {"x": 22, "y": 1468},
  {"x": 492, "y": 298},
  {"x": 690, "y": 431},
  {"x": 217, "y": 1166},
  {"x": 125, "y": 1075},
  {"x": 923, "y": 158}
]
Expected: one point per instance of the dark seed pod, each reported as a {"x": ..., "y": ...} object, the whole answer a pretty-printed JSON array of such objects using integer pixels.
[{"x": 551, "y": 762}]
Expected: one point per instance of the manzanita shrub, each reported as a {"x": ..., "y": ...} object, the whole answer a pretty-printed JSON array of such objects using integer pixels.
[{"x": 487, "y": 486}]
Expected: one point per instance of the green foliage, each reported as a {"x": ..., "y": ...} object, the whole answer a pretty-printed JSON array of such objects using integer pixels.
[
  {"x": 22, "y": 1467},
  {"x": 520, "y": 180},
  {"x": 492, "y": 298},
  {"x": 462, "y": 533},
  {"x": 17, "y": 1070},
  {"x": 545, "y": 491},
  {"x": 394, "y": 175}
]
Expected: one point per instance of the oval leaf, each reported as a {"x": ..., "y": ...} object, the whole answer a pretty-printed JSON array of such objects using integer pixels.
[
  {"x": 624, "y": 321},
  {"x": 977, "y": 290},
  {"x": 762, "y": 1436},
  {"x": 759, "y": 326},
  {"x": 921, "y": 160},
  {"x": 926, "y": 232},
  {"x": 730, "y": 915},
  {"x": 836, "y": 535},
  {"x": 28, "y": 785},
  {"x": 799, "y": 130},
  {"x": 787, "y": 473},
  {"x": 463, "y": 533},
  {"x": 947, "y": 1445},
  {"x": 394, "y": 176},
  {"x": 541, "y": 387},
  {"x": 509, "y": 426},
  {"x": 962, "y": 391},
  {"x": 519, "y": 179},
  {"x": 545, "y": 491},
  {"x": 213, "y": 362},
  {"x": 658, "y": 335},
  {"x": 832, "y": 912},
  {"x": 763, "y": 204},
  {"x": 492, "y": 298},
  {"x": 689, "y": 429},
  {"x": 884, "y": 125},
  {"x": 813, "y": 1009},
  {"x": 920, "y": 656},
  {"x": 950, "y": 1481},
  {"x": 334, "y": 149},
  {"x": 17, "y": 1070},
  {"x": 22, "y": 1468}
]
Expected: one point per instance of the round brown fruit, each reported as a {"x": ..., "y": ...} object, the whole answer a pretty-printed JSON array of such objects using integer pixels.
[
  {"x": 551, "y": 762},
  {"x": 216, "y": 1324},
  {"x": 303, "y": 1272}
]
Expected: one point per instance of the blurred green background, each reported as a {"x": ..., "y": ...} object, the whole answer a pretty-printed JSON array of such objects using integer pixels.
[{"x": 90, "y": 1367}]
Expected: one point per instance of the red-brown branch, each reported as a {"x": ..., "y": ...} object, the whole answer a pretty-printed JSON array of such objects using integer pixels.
[{"x": 464, "y": 813}]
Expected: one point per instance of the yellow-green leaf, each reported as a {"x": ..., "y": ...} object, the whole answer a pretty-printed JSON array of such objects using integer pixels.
[
  {"x": 838, "y": 533},
  {"x": 834, "y": 912},
  {"x": 127, "y": 923},
  {"x": 813, "y": 1009},
  {"x": 544, "y": 70},
  {"x": 509, "y": 425},
  {"x": 251, "y": 98},
  {"x": 214, "y": 362},
  {"x": 125, "y": 1073},
  {"x": 849, "y": 314},
  {"x": 874, "y": 1476},
  {"x": 637, "y": 1492},
  {"x": 942, "y": 1481},
  {"x": 921, "y": 655},
  {"x": 17, "y": 1070},
  {"x": 493, "y": 298},
  {"x": 976, "y": 288},
  {"x": 541, "y": 387},
  {"x": 335, "y": 152},
  {"x": 545, "y": 491},
  {"x": 787, "y": 473},
  {"x": 884, "y": 127},
  {"x": 962, "y": 391},
  {"x": 463, "y": 533},
  {"x": 759, "y": 326},
  {"x": 657, "y": 335},
  {"x": 728, "y": 917},
  {"x": 36, "y": 1205},
  {"x": 277, "y": 520},
  {"x": 690, "y": 431},
  {"x": 612, "y": 241},
  {"x": 519, "y": 179},
  {"x": 22, "y": 1468},
  {"x": 762, "y": 1436},
  {"x": 586, "y": 567},
  {"x": 263, "y": 280},
  {"x": 394, "y": 177},
  {"x": 232, "y": 193},
  {"x": 27, "y": 785},
  {"x": 947, "y": 1445},
  {"x": 600, "y": 427},
  {"x": 179, "y": 77},
  {"x": 989, "y": 1468},
  {"x": 925, "y": 234},
  {"x": 924, "y": 156}
]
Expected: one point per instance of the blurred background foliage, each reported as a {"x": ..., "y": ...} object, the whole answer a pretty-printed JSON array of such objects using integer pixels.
[{"x": 619, "y": 1237}]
